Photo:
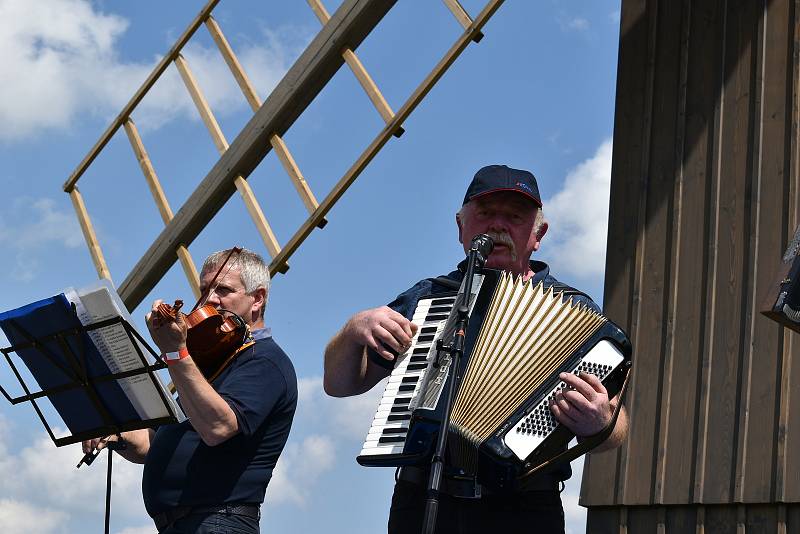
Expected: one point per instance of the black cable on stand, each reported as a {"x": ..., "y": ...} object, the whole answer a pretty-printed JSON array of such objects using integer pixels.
[{"x": 480, "y": 249}]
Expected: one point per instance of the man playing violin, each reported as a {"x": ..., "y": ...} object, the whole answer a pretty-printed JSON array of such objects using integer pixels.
[{"x": 211, "y": 471}]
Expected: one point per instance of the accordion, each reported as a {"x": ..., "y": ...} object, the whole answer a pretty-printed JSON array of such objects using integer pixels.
[{"x": 520, "y": 338}]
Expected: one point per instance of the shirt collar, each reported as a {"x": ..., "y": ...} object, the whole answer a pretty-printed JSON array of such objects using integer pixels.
[
  {"x": 540, "y": 270},
  {"x": 261, "y": 333}
]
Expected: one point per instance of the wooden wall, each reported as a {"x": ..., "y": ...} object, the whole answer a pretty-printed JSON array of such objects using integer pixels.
[{"x": 704, "y": 197}]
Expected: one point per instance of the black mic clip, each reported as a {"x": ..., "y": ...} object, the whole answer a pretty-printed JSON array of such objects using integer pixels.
[{"x": 482, "y": 245}]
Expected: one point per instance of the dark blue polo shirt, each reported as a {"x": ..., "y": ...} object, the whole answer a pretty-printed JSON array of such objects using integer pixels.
[
  {"x": 406, "y": 303},
  {"x": 180, "y": 470}
]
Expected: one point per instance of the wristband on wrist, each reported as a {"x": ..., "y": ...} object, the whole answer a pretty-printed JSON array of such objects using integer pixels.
[{"x": 171, "y": 357}]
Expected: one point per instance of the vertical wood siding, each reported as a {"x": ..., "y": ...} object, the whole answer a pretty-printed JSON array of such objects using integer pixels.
[{"x": 704, "y": 197}]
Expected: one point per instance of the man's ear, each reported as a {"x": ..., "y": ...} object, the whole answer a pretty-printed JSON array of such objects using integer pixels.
[
  {"x": 460, "y": 230},
  {"x": 540, "y": 235},
  {"x": 259, "y": 296},
  {"x": 542, "y": 230}
]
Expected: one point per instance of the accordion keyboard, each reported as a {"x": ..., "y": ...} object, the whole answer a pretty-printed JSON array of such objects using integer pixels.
[
  {"x": 534, "y": 428},
  {"x": 389, "y": 429}
]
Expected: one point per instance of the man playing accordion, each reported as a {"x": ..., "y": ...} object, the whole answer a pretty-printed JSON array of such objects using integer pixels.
[{"x": 505, "y": 204}]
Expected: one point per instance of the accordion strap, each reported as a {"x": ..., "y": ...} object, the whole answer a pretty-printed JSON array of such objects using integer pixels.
[{"x": 585, "y": 445}]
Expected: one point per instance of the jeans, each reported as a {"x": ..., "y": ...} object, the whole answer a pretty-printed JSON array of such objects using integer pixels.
[{"x": 218, "y": 523}]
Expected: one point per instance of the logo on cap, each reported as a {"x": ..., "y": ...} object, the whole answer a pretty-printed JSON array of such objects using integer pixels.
[{"x": 526, "y": 187}]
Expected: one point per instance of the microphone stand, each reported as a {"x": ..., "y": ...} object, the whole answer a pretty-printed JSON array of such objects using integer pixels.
[{"x": 479, "y": 250}]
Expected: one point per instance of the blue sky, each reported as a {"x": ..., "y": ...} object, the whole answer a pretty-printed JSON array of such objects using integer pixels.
[{"x": 536, "y": 93}]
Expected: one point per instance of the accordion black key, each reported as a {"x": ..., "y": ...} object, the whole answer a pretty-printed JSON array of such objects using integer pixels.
[{"x": 520, "y": 338}]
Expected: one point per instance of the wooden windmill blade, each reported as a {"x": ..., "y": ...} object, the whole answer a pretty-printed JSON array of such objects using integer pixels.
[{"x": 265, "y": 131}]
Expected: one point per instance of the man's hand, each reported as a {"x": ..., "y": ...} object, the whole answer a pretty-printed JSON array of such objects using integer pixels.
[
  {"x": 584, "y": 406},
  {"x": 97, "y": 444},
  {"x": 168, "y": 334},
  {"x": 380, "y": 328}
]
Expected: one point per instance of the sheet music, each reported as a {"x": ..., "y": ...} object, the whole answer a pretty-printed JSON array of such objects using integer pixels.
[{"x": 99, "y": 302}]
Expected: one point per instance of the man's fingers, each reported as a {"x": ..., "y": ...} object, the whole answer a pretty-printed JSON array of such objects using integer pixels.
[
  {"x": 562, "y": 416},
  {"x": 577, "y": 401},
  {"x": 594, "y": 382},
  {"x": 399, "y": 335},
  {"x": 390, "y": 338},
  {"x": 380, "y": 348},
  {"x": 580, "y": 384}
]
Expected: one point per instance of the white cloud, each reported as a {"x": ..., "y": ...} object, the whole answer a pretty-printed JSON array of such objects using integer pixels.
[
  {"x": 30, "y": 225},
  {"x": 17, "y": 517},
  {"x": 347, "y": 417},
  {"x": 299, "y": 468},
  {"x": 61, "y": 61},
  {"x": 338, "y": 428},
  {"x": 578, "y": 24},
  {"x": 46, "y": 474},
  {"x": 41, "y": 486},
  {"x": 578, "y": 215}
]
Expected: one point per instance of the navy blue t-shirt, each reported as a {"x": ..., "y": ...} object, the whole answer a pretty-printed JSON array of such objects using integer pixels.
[
  {"x": 406, "y": 303},
  {"x": 180, "y": 470}
]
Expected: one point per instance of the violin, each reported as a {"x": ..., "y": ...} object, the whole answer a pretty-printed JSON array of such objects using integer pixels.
[{"x": 214, "y": 337}]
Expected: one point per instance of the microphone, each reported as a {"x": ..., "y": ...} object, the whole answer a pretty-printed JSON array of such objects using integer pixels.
[{"x": 483, "y": 245}]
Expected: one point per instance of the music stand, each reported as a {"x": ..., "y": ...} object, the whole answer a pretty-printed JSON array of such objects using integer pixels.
[{"x": 74, "y": 377}]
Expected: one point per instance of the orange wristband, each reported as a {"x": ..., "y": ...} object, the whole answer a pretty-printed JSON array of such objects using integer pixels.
[{"x": 171, "y": 357}]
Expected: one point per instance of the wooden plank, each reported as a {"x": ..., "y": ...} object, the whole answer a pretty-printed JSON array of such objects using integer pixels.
[
  {"x": 705, "y": 395},
  {"x": 232, "y": 61},
  {"x": 363, "y": 160},
  {"x": 277, "y": 144},
  {"x": 789, "y": 488},
  {"x": 254, "y": 209},
  {"x": 361, "y": 74},
  {"x": 603, "y": 520},
  {"x": 680, "y": 519},
  {"x": 720, "y": 519},
  {"x": 149, "y": 172},
  {"x": 462, "y": 17},
  {"x": 757, "y": 447},
  {"x": 631, "y": 123},
  {"x": 305, "y": 79},
  {"x": 654, "y": 270},
  {"x": 189, "y": 269},
  {"x": 251, "y": 203},
  {"x": 674, "y": 388},
  {"x": 788, "y": 460},
  {"x": 733, "y": 248},
  {"x": 139, "y": 95},
  {"x": 761, "y": 519},
  {"x": 160, "y": 199},
  {"x": 291, "y": 168},
  {"x": 643, "y": 519},
  {"x": 201, "y": 104},
  {"x": 88, "y": 233},
  {"x": 792, "y": 518},
  {"x": 674, "y": 477}
]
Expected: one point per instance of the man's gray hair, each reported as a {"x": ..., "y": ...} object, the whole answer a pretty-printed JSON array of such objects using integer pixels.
[{"x": 252, "y": 269}]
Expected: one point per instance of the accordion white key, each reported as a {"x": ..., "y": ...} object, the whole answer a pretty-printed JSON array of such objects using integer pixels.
[{"x": 520, "y": 338}]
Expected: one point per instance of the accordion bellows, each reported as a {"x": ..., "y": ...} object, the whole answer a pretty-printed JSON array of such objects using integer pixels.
[{"x": 522, "y": 321}]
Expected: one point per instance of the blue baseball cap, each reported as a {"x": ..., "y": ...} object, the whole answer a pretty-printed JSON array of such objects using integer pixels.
[{"x": 493, "y": 178}]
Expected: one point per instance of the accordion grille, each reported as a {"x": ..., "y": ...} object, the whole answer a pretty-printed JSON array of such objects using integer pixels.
[{"x": 527, "y": 335}]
